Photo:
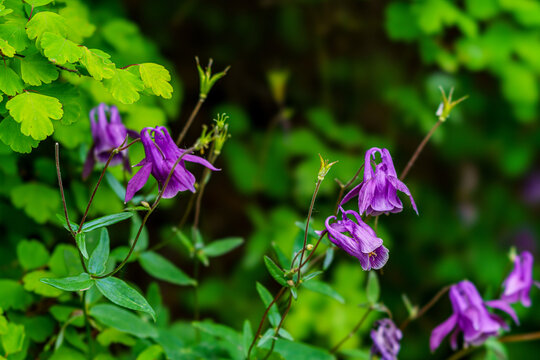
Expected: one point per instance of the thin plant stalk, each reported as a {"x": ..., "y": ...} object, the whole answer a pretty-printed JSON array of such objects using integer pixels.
[
  {"x": 280, "y": 325},
  {"x": 426, "y": 307},
  {"x": 353, "y": 331},
  {"x": 419, "y": 149},
  {"x": 192, "y": 116},
  {"x": 87, "y": 325}
]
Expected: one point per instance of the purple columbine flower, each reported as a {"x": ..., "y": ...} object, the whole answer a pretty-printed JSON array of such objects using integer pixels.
[
  {"x": 361, "y": 241},
  {"x": 160, "y": 155},
  {"x": 108, "y": 134},
  {"x": 471, "y": 317},
  {"x": 386, "y": 337},
  {"x": 517, "y": 285},
  {"x": 377, "y": 193}
]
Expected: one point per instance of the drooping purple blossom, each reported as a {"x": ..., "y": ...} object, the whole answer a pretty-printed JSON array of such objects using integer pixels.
[
  {"x": 357, "y": 239},
  {"x": 517, "y": 285},
  {"x": 386, "y": 337},
  {"x": 377, "y": 193},
  {"x": 161, "y": 153},
  {"x": 470, "y": 316},
  {"x": 108, "y": 132}
]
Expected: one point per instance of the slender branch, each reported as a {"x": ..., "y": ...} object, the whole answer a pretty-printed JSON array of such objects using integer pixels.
[
  {"x": 312, "y": 251},
  {"x": 343, "y": 187},
  {"x": 276, "y": 332},
  {"x": 307, "y": 227},
  {"x": 353, "y": 331},
  {"x": 419, "y": 150},
  {"x": 426, "y": 307},
  {"x": 190, "y": 120},
  {"x": 59, "y": 175},
  {"x": 520, "y": 337},
  {"x": 259, "y": 329},
  {"x": 461, "y": 353},
  {"x": 67, "y": 69},
  {"x": 148, "y": 213}
]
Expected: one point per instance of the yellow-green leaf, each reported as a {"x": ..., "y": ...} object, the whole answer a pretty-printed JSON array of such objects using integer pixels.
[
  {"x": 124, "y": 86},
  {"x": 157, "y": 78},
  {"x": 6, "y": 49},
  {"x": 97, "y": 63},
  {"x": 10, "y": 134},
  {"x": 10, "y": 82},
  {"x": 34, "y": 112},
  {"x": 46, "y": 21},
  {"x": 59, "y": 49},
  {"x": 35, "y": 70},
  {"x": 39, "y": 201},
  {"x": 14, "y": 32}
]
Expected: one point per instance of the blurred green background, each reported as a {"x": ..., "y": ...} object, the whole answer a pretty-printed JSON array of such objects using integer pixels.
[{"x": 336, "y": 78}]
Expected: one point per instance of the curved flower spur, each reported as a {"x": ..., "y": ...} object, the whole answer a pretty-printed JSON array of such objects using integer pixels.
[
  {"x": 161, "y": 153},
  {"x": 108, "y": 133}
]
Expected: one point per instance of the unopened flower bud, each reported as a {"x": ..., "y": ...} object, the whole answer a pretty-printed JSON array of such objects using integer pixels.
[
  {"x": 145, "y": 204},
  {"x": 207, "y": 80},
  {"x": 290, "y": 282},
  {"x": 325, "y": 168},
  {"x": 446, "y": 106},
  {"x": 309, "y": 247}
]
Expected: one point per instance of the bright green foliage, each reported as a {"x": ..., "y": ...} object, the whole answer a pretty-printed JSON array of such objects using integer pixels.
[
  {"x": 98, "y": 64},
  {"x": 6, "y": 49},
  {"x": 38, "y": 2},
  {"x": 122, "y": 294},
  {"x": 157, "y": 78},
  {"x": 13, "y": 31},
  {"x": 80, "y": 239},
  {"x": 60, "y": 50},
  {"x": 13, "y": 339},
  {"x": 10, "y": 134},
  {"x": 323, "y": 288},
  {"x": 275, "y": 271},
  {"x": 32, "y": 283},
  {"x": 10, "y": 82},
  {"x": 34, "y": 112},
  {"x": 113, "y": 336},
  {"x": 125, "y": 86},
  {"x": 161, "y": 268},
  {"x": 38, "y": 201},
  {"x": 273, "y": 315},
  {"x": 46, "y": 21},
  {"x": 35, "y": 70},
  {"x": 13, "y": 295},
  {"x": 32, "y": 254},
  {"x": 151, "y": 353},
  {"x": 222, "y": 246},
  {"x": 373, "y": 289},
  {"x": 122, "y": 320},
  {"x": 73, "y": 283}
]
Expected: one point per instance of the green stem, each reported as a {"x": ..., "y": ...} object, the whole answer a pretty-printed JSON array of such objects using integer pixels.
[
  {"x": 190, "y": 120},
  {"x": 353, "y": 331},
  {"x": 426, "y": 307},
  {"x": 419, "y": 150},
  {"x": 276, "y": 332},
  {"x": 87, "y": 325}
]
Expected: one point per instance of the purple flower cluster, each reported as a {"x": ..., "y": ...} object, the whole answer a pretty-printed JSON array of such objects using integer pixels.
[
  {"x": 470, "y": 312},
  {"x": 377, "y": 194},
  {"x": 386, "y": 337}
]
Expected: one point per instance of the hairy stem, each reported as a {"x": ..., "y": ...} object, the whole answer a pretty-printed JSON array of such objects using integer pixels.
[
  {"x": 190, "y": 120},
  {"x": 426, "y": 307},
  {"x": 261, "y": 323},
  {"x": 353, "y": 331},
  {"x": 148, "y": 213},
  {"x": 419, "y": 150}
]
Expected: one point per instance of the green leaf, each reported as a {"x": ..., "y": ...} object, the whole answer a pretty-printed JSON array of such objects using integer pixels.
[
  {"x": 97, "y": 63},
  {"x": 142, "y": 242},
  {"x": 312, "y": 275},
  {"x": 35, "y": 70},
  {"x": 223, "y": 246},
  {"x": 80, "y": 239},
  {"x": 10, "y": 82},
  {"x": 247, "y": 336},
  {"x": 222, "y": 332},
  {"x": 273, "y": 315},
  {"x": 115, "y": 185},
  {"x": 298, "y": 351},
  {"x": 6, "y": 49},
  {"x": 122, "y": 294},
  {"x": 35, "y": 3},
  {"x": 38, "y": 201},
  {"x": 323, "y": 288},
  {"x": 60, "y": 50},
  {"x": 46, "y": 21},
  {"x": 157, "y": 78},
  {"x": 124, "y": 86},
  {"x": 34, "y": 112},
  {"x": 13, "y": 340},
  {"x": 73, "y": 283},
  {"x": 32, "y": 283},
  {"x": 14, "y": 32},
  {"x": 373, "y": 289},
  {"x": 122, "y": 320},
  {"x": 151, "y": 353},
  {"x": 495, "y": 350},
  {"x": 100, "y": 255},
  {"x": 13, "y": 295},
  {"x": 106, "y": 221},
  {"x": 328, "y": 258},
  {"x": 10, "y": 134},
  {"x": 32, "y": 254},
  {"x": 275, "y": 271},
  {"x": 113, "y": 336},
  {"x": 163, "y": 269}
]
